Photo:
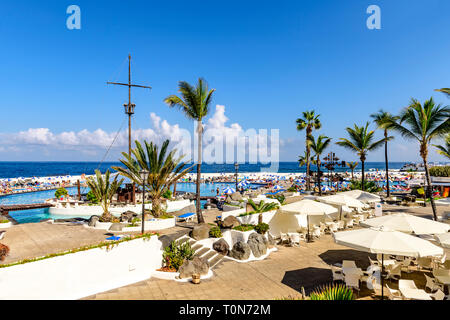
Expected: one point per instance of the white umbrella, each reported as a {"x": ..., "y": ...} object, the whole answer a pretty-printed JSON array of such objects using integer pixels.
[
  {"x": 277, "y": 187},
  {"x": 443, "y": 239},
  {"x": 342, "y": 200},
  {"x": 309, "y": 207},
  {"x": 385, "y": 241},
  {"x": 362, "y": 196},
  {"x": 407, "y": 223}
]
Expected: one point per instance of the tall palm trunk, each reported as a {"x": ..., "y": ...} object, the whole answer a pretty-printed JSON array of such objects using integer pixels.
[
  {"x": 175, "y": 189},
  {"x": 353, "y": 177},
  {"x": 428, "y": 191},
  {"x": 362, "y": 177},
  {"x": 386, "y": 161},
  {"x": 199, "y": 165},
  {"x": 318, "y": 176}
]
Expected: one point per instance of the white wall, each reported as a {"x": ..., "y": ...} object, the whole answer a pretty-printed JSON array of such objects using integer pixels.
[
  {"x": 87, "y": 211},
  {"x": 84, "y": 273}
]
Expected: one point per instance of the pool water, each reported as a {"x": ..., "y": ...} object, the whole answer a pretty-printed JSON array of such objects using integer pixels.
[{"x": 36, "y": 215}]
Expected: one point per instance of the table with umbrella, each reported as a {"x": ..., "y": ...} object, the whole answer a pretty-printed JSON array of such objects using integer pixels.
[{"x": 385, "y": 241}]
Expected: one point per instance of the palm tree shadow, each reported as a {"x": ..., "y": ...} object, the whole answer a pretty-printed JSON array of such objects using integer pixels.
[{"x": 308, "y": 278}]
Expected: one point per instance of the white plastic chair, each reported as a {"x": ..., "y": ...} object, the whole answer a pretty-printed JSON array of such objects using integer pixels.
[
  {"x": 394, "y": 294},
  {"x": 394, "y": 271},
  {"x": 352, "y": 281},
  {"x": 337, "y": 274},
  {"x": 316, "y": 232},
  {"x": 438, "y": 295},
  {"x": 284, "y": 237},
  {"x": 407, "y": 284},
  {"x": 294, "y": 239},
  {"x": 432, "y": 284},
  {"x": 349, "y": 223}
]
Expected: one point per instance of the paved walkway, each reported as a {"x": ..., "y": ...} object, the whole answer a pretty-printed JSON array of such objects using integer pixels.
[{"x": 282, "y": 274}]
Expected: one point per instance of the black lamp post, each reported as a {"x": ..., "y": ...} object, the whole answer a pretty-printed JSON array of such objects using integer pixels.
[
  {"x": 236, "y": 167},
  {"x": 144, "y": 176}
]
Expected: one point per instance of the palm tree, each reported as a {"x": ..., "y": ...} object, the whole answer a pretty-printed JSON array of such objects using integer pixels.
[
  {"x": 444, "y": 90},
  {"x": 262, "y": 207},
  {"x": 444, "y": 150},
  {"x": 361, "y": 141},
  {"x": 104, "y": 190},
  {"x": 318, "y": 146},
  {"x": 309, "y": 122},
  {"x": 195, "y": 104},
  {"x": 383, "y": 119},
  {"x": 352, "y": 166},
  {"x": 163, "y": 167},
  {"x": 424, "y": 123}
]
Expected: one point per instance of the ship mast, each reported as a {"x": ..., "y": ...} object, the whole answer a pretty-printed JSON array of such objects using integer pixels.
[{"x": 129, "y": 110}]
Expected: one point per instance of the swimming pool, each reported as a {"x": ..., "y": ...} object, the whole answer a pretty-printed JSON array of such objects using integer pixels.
[{"x": 36, "y": 215}]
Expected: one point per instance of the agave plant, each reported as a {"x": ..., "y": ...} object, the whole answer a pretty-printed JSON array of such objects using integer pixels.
[
  {"x": 262, "y": 207},
  {"x": 103, "y": 189},
  {"x": 332, "y": 292}
]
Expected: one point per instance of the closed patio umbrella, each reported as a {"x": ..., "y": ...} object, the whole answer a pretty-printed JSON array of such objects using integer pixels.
[
  {"x": 309, "y": 207},
  {"x": 362, "y": 196},
  {"x": 383, "y": 241},
  {"x": 342, "y": 200},
  {"x": 407, "y": 223}
]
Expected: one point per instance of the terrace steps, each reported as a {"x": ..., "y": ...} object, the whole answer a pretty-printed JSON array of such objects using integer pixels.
[{"x": 212, "y": 256}]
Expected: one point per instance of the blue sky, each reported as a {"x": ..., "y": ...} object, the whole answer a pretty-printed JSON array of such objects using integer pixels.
[{"x": 268, "y": 61}]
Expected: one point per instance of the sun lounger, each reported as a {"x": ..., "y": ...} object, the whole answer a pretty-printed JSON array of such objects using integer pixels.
[{"x": 187, "y": 216}]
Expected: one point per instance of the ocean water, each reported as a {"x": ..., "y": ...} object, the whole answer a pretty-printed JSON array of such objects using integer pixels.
[{"x": 42, "y": 169}]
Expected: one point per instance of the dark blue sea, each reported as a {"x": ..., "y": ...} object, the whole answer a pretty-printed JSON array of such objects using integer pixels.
[{"x": 43, "y": 169}]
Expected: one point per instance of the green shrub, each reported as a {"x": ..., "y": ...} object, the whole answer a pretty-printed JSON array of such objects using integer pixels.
[
  {"x": 244, "y": 227},
  {"x": 369, "y": 186},
  {"x": 332, "y": 292},
  {"x": 91, "y": 197},
  {"x": 175, "y": 254},
  {"x": 262, "y": 228},
  {"x": 165, "y": 216},
  {"x": 292, "y": 189},
  {"x": 61, "y": 192},
  {"x": 442, "y": 171},
  {"x": 134, "y": 222},
  {"x": 215, "y": 232},
  {"x": 4, "y": 221},
  {"x": 167, "y": 194}
]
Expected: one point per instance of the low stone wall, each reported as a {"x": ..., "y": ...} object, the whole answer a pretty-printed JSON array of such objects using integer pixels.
[{"x": 84, "y": 273}]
